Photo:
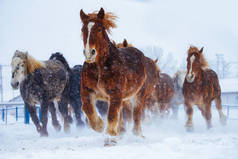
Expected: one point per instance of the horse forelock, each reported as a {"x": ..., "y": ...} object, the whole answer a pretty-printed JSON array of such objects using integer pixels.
[{"x": 108, "y": 21}]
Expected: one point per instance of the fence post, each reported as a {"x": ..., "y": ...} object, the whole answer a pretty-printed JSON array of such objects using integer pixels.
[
  {"x": 3, "y": 113},
  {"x": 39, "y": 111},
  {"x": 26, "y": 115},
  {"x": 6, "y": 115},
  {"x": 16, "y": 113}
]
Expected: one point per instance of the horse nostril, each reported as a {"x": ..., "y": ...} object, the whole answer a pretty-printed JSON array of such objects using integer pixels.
[
  {"x": 93, "y": 51},
  {"x": 12, "y": 75},
  {"x": 17, "y": 83}
]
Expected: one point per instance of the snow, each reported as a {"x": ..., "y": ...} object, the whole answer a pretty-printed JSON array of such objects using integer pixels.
[
  {"x": 165, "y": 139},
  {"x": 229, "y": 85}
]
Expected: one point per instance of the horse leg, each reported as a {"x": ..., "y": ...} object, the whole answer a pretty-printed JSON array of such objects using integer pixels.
[
  {"x": 88, "y": 100},
  {"x": 121, "y": 125},
  {"x": 208, "y": 114},
  {"x": 175, "y": 110},
  {"x": 223, "y": 118},
  {"x": 126, "y": 111},
  {"x": 44, "y": 118},
  {"x": 55, "y": 122},
  {"x": 32, "y": 110},
  {"x": 63, "y": 108},
  {"x": 77, "y": 111},
  {"x": 189, "y": 112},
  {"x": 113, "y": 113},
  {"x": 137, "y": 114}
]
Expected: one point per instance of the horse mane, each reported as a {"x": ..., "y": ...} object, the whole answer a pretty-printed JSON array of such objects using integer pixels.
[
  {"x": 58, "y": 56},
  {"x": 33, "y": 64},
  {"x": 108, "y": 21},
  {"x": 203, "y": 61}
]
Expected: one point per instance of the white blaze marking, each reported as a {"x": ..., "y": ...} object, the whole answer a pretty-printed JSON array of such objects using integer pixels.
[
  {"x": 192, "y": 58},
  {"x": 87, "y": 50}
]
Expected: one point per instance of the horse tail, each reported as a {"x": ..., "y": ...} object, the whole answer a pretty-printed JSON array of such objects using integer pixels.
[{"x": 58, "y": 56}]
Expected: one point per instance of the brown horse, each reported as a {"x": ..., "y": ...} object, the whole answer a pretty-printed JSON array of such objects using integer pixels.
[
  {"x": 163, "y": 92},
  {"x": 201, "y": 87},
  {"x": 123, "y": 44},
  {"x": 121, "y": 74}
]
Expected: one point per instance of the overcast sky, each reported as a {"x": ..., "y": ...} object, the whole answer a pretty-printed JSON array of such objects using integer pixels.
[
  {"x": 42, "y": 27},
  {"x": 45, "y": 26}
]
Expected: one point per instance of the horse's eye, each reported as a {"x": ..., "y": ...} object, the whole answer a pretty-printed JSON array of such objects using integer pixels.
[
  {"x": 22, "y": 65},
  {"x": 99, "y": 30}
]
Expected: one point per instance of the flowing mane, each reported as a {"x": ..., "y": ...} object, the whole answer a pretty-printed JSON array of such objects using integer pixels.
[
  {"x": 108, "y": 20},
  {"x": 33, "y": 64},
  {"x": 203, "y": 61}
]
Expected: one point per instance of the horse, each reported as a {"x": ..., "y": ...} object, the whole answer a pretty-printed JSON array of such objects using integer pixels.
[
  {"x": 40, "y": 82},
  {"x": 121, "y": 74},
  {"x": 163, "y": 92},
  {"x": 74, "y": 98},
  {"x": 178, "y": 99},
  {"x": 201, "y": 87},
  {"x": 123, "y": 44}
]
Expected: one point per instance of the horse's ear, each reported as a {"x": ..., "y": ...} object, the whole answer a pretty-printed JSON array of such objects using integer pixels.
[
  {"x": 83, "y": 16},
  {"x": 125, "y": 44},
  {"x": 100, "y": 14},
  {"x": 156, "y": 60},
  {"x": 114, "y": 43},
  {"x": 201, "y": 50}
]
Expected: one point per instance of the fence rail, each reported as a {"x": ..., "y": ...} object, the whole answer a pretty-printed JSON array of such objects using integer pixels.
[
  {"x": 5, "y": 107},
  {"x": 17, "y": 106}
]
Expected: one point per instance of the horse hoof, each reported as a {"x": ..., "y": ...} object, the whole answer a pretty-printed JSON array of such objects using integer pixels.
[
  {"x": 110, "y": 142},
  {"x": 189, "y": 129},
  {"x": 209, "y": 126},
  {"x": 223, "y": 120},
  {"x": 43, "y": 133},
  {"x": 80, "y": 124},
  {"x": 66, "y": 128},
  {"x": 112, "y": 132},
  {"x": 57, "y": 127},
  {"x": 70, "y": 119},
  {"x": 98, "y": 125}
]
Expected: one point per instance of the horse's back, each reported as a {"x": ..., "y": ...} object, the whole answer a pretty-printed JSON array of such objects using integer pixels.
[
  {"x": 132, "y": 59},
  {"x": 52, "y": 78}
]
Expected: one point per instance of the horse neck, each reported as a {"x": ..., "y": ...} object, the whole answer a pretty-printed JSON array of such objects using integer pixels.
[{"x": 108, "y": 51}]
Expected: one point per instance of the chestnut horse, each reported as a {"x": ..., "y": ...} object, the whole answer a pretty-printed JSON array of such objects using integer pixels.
[
  {"x": 120, "y": 75},
  {"x": 163, "y": 92},
  {"x": 201, "y": 87}
]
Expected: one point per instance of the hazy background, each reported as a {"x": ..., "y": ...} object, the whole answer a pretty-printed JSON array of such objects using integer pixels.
[{"x": 161, "y": 28}]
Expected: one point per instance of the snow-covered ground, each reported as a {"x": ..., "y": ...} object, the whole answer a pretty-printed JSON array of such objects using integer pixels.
[{"x": 164, "y": 139}]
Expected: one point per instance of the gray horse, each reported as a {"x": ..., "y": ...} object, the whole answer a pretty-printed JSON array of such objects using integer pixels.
[
  {"x": 178, "y": 98},
  {"x": 40, "y": 83}
]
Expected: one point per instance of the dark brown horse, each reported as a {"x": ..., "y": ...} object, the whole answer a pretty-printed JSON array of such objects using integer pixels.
[
  {"x": 120, "y": 75},
  {"x": 201, "y": 87}
]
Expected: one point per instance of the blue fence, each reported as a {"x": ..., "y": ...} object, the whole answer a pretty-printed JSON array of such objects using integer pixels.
[{"x": 16, "y": 107}]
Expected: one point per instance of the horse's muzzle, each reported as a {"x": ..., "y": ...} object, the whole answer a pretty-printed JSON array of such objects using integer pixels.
[
  {"x": 15, "y": 85},
  {"x": 190, "y": 78}
]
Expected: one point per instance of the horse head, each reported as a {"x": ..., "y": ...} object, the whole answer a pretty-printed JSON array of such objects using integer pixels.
[
  {"x": 94, "y": 32},
  {"x": 19, "y": 68},
  {"x": 195, "y": 63}
]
